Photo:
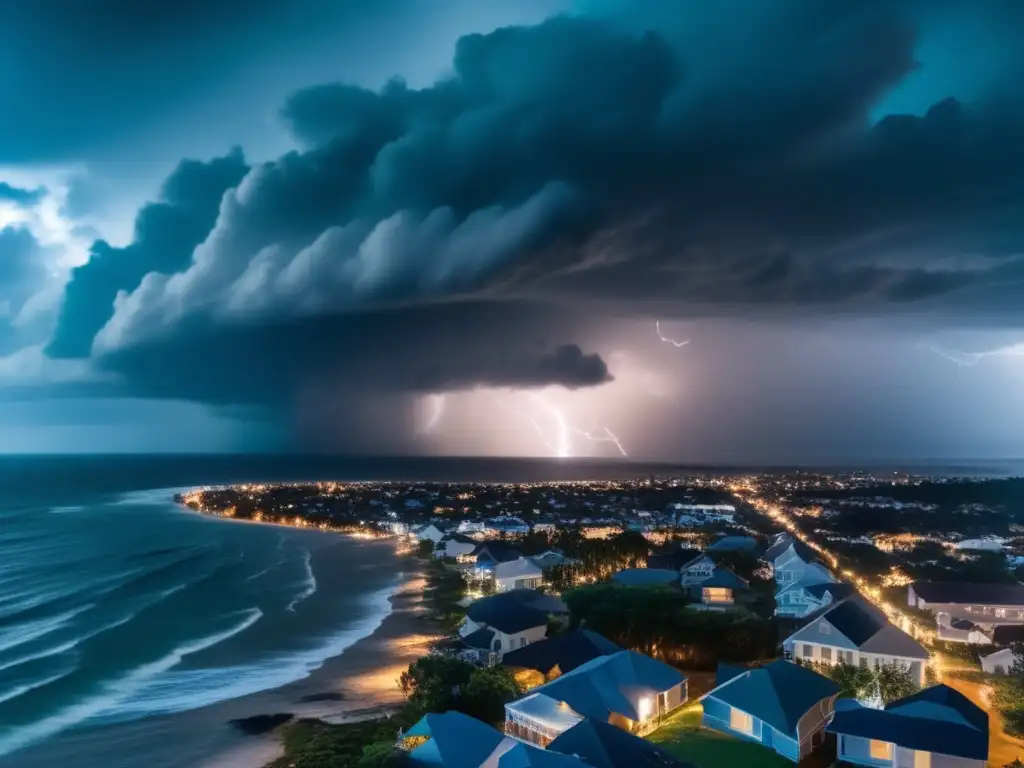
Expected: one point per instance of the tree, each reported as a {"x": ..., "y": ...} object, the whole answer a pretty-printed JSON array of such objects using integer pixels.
[
  {"x": 425, "y": 548},
  {"x": 894, "y": 681},
  {"x": 854, "y": 681},
  {"x": 432, "y": 683},
  {"x": 488, "y": 691},
  {"x": 1015, "y": 764},
  {"x": 382, "y": 754}
]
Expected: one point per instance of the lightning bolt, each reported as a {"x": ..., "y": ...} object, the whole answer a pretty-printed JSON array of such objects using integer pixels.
[
  {"x": 666, "y": 339},
  {"x": 435, "y": 405},
  {"x": 607, "y": 437},
  {"x": 560, "y": 443},
  {"x": 967, "y": 359}
]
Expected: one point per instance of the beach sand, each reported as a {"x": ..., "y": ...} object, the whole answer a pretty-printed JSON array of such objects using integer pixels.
[{"x": 360, "y": 683}]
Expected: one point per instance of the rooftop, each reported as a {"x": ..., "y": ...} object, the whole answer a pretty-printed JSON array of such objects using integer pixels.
[
  {"x": 969, "y": 594},
  {"x": 563, "y": 651}
]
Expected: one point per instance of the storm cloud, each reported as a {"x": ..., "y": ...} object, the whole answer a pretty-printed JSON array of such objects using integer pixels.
[{"x": 455, "y": 235}]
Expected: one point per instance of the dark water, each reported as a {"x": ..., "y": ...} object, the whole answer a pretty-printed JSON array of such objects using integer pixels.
[{"x": 116, "y": 605}]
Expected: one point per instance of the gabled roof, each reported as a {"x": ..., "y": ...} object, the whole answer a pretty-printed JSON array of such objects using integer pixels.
[
  {"x": 526, "y": 756},
  {"x": 461, "y": 538},
  {"x": 520, "y": 568},
  {"x": 723, "y": 577},
  {"x": 645, "y": 577},
  {"x": 779, "y": 693},
  {"x": 508, "y": 612},
  {"x": 837, "y": 589},
  {"x": 603, "y": 745},
  {"x": 733, "y": 544},
  {"x": 496, "y": 551},
  {"x": 698, "y": 558},
  {"x": 782, "y": 542},
  {"x": 965, "y": 593},
  {"x": 869, "y": 630},
  {"x": 937, "y": 719},
  {"x": 613, "y": 683},
  {"x": 457, "y": 740},
  {"x": 481, "y": 638},
  {"x": 563, "y": 651}
]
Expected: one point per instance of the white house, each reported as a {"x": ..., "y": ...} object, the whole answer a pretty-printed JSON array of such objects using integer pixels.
[
  {"x": 855, "y": 632},
  {"x": 985, "y": 604},
  {"x": 518, "y": 574},
  {"x": 792, "y": 562},
  {"x": 504, "y": 622},
  {"x": 797, "y": 600},
  {"x": 432, "y": 532},
  {"x": 999, "y": 663}
]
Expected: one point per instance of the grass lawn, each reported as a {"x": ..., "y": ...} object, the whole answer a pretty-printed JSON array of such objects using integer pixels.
[{"x": 682, "y": 735}]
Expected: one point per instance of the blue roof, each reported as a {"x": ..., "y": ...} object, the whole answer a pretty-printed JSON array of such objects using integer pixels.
[
  {"x": 778, "y": 694},
  {"x": 603, "y": 745},
  {"x": 455, "y": 740},
  {"x": 526, "y": 756},
  {"x": 645, "y": 577},
  {"x": 613, "y": 683},
  {"x": 733, "y": 543},
  {"x": 723, "y": 577},
  {"x": 937, "y": 719}
]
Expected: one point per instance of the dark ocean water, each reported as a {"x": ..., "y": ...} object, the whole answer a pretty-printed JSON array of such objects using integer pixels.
[{"x": 118, "y": 605}]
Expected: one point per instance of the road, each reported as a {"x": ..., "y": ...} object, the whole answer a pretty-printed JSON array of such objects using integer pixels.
[{"x": 1003, "y": 748}]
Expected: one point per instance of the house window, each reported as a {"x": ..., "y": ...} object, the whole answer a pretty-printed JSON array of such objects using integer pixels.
[
  {"x": 881, "y": 750},
  {"x": 717, "y": 595},
  {"x": 808, "y": 651},
  {"x": 826, "y": 654},
  {"x": 783, "y": 576},
  {"x": 864, "y": 662},
  {"x": 922, "y": 759},
  {"x": 1000, "y": 613},
  {"x": 741, "y": 721}
]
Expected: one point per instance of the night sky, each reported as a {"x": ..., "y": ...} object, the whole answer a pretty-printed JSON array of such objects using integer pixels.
[{"x": 766, "y": 231}]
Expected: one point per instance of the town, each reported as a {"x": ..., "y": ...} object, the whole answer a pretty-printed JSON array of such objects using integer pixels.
[{"x": 713, "y": 620}]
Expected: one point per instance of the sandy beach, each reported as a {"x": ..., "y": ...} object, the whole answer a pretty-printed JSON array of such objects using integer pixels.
[{"x": 360, "y": 683}]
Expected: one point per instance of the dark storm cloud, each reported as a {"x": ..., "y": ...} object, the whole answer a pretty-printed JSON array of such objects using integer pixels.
[
  {"x": 166, "y": 233},
  {"x": 576, "y": 161},
  {"x": 20, "y": 196}
]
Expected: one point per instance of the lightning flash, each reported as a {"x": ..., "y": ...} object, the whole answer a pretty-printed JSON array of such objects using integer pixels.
[
  {"x": 666, "y": 339},
  {"x": 973, "y": 358}
]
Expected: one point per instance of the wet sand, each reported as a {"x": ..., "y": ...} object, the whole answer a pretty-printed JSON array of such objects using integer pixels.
[{"x": 360, "y": 683}]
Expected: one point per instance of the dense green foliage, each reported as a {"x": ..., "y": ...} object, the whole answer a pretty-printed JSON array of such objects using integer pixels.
[
  {"x": 596, "y": 559},
  {"x": 854, "y": 681},
  {"x": 445, "y": 588},
  {"x": 894, "y": 681},
  {"x": 656, "y": 621},
  {"x": 1008, "y": 696},
  {"x": 315, "y": 744},
  {"x": 441, "y": 683}
]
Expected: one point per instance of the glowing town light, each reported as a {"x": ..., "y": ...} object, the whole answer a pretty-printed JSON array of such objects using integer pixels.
[
  {"x": 666, "y": 339},
  {"x": 644, "y": 708}
]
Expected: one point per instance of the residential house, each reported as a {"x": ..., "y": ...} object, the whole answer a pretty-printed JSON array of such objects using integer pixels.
[
  {"x": 505, "y": 524},
  {"x": 934, "y": 728},
  {"x": 722, "y": 589},
  {"x": 489, "y": 553},
  {"x": 781, "y": 705},
  {"x": 455, "y": 740},
  {"x": 984, "y": 604},
  {"x": 962, "y": 631},
  {"x": 646, "y": 577},
  {"x": 550, "y": 558},
  {"x": 1000, "y": 662},
  {"x": 696, "y": 570},
  {"x": 504, "y": 622},
  {"x": 434, "y": 531},
  {"x": 554, "y": 656},
  {"x": 734, "y": 544},
  {"x": 796, "y": 600},
  {"x": 626, "y": 689},
  {"x": 602, "y": 745},
  {"x": 457, "y": 546},
  {"x": 522, "y": 573},
  {"x": 794, "y": 562},
  {"x": 855, "y": 632}
]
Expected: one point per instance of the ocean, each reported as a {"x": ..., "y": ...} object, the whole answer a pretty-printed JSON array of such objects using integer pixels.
[{"x": 119, "y": 606}]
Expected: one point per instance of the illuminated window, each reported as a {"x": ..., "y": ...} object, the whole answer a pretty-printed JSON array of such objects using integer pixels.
[
  {"x": 1000, "y": 613},
  {"x": 881, "y": 750},
  {"x": 717, "y": 595},
  {"x": 922, "y": 759},
  {"x": 741, "y": 721}
]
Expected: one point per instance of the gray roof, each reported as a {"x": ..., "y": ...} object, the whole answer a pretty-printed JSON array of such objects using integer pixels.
[
  {"x": 723, "y": 577},
  {"x": 869, "y": 630},
  {"x": 937, "y": 719},
  {"x": 837, "y": 589},
  {"x": 482, "y": 639},
  {"x": 509, "y": 612},
  {"x": 603, "y": 745},
  {"x": 733, "y": 544},
  {"x": 778, "y": 694},
  {"x": 965, "y": 593},
  {"x": 645, "y": 577},
  {"x": 563, "y": 651},
  {"x": 613, "y": 683}
]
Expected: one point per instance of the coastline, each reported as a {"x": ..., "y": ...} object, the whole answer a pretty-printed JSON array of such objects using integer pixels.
[{"x": 358, "y": 684}]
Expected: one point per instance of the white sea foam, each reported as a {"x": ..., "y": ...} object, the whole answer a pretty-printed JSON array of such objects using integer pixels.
[
  {"x": 118, "y": 691},
  {"x": 27, "y": 631},
  {"x": 193, "y": 688},
  {"x": 22, "y": 689},
  {"x": 309, "y": 584}
]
